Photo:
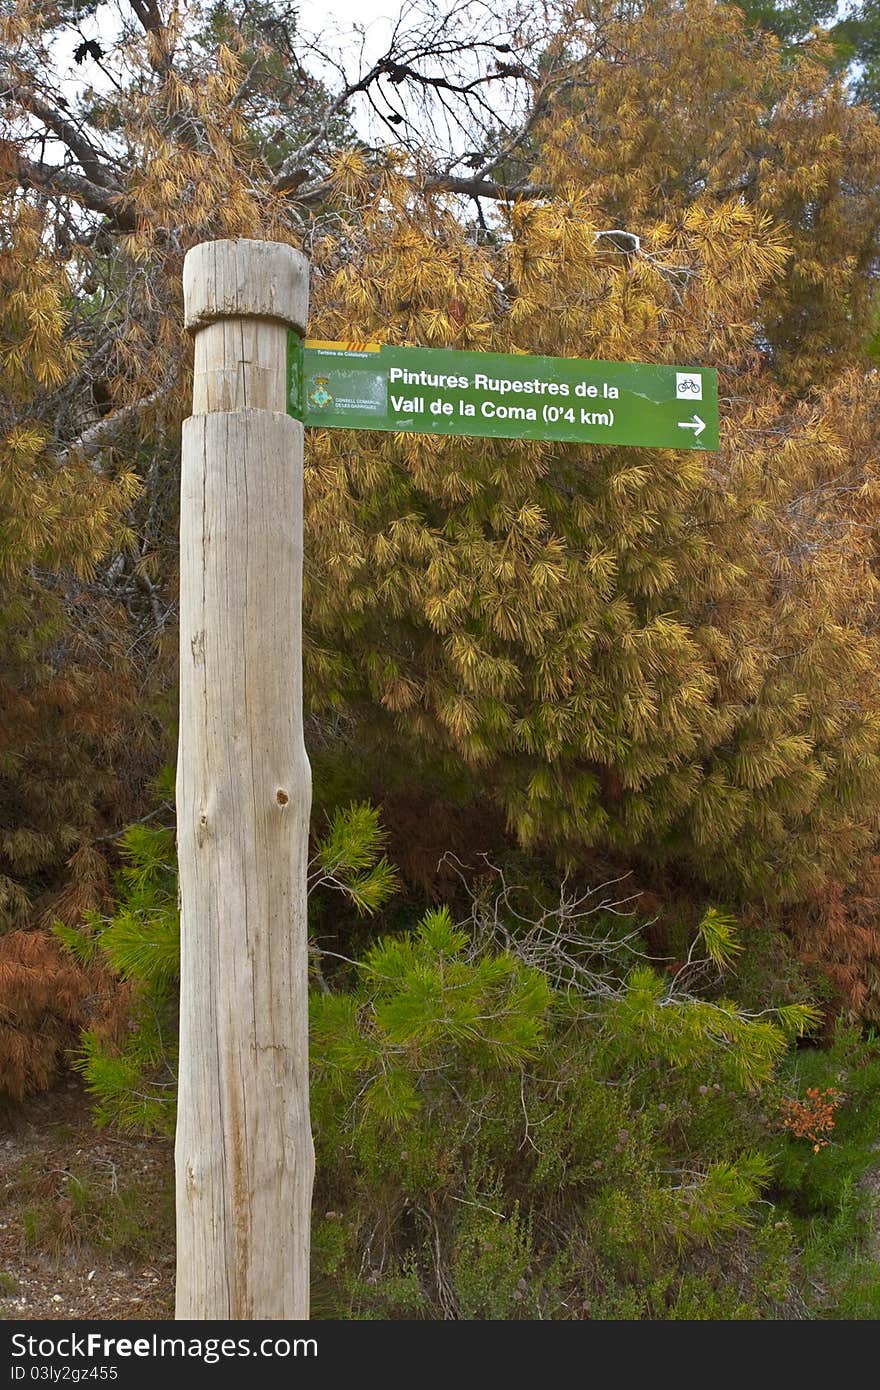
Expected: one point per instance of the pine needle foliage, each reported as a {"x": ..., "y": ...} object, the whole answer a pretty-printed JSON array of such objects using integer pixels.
[
  {"x": 498, "y": 1139},
  {"x": 45, "y": 1000},
  {"x": 667, "y": 655},
  {"x": 611, "y": 1156},
  {"x": 129, "y": 1057},
  {"x": 350, "y": 858},
  {"x": 647, "y": 1023},
  {"x": 671, "y": 656},
  {"x": 60, "y": 713}
]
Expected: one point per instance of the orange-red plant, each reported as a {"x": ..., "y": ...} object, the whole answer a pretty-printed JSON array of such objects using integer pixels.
[{"x": 813, "y": 1117}]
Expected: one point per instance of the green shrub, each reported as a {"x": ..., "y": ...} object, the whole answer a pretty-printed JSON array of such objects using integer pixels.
[
  {"x": 524, "y": 1118},
  {"x": 132, "y": 1072},
  {"x": 513, "y": 1143}
]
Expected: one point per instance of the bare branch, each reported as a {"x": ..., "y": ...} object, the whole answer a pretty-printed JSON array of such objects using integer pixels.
[
  {"x": 444, "y": 183},
  {"x": 148, "y": 15},
  {"x": 303, "y": 155},
  {"x": 107, "y": 430},
  {"x": 60, "y": 126},
  {"x": 476, "y": 187},
  {"x": 437, "y": 64},
  {"x": 58, "y": 181}
]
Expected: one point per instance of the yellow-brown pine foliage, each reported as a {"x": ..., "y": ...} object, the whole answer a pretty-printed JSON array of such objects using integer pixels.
[
  {"x": 58, "y": 705},
  {"x": 90, "y": 324},
  {"x": 670, "y": 654},
  {"x": 667, "y": 654}
]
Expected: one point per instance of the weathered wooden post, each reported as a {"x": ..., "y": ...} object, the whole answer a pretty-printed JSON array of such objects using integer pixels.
[{"x": 244, "y": 1156}]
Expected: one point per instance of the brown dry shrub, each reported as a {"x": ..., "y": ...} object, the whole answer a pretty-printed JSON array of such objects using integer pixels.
[
  {"x": 45, "y": 999},
  {"x": 838, "y": 932}
]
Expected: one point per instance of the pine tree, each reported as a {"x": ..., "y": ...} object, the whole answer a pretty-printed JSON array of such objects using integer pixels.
[
  {"x": 668, "y": 656},
  {"x": 541, "y": 1123},
  {"x": 58, "y": 519},
  {"x": 854, "y": 31},
  {"x": 672, "y": 656}
]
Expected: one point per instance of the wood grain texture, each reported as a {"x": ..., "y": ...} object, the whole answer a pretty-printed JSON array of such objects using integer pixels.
[
  {"x": 245, "y": 279},
  {"x": 244, "y": 1155}
]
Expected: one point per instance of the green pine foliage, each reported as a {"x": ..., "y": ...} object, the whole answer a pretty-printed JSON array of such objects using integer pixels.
[
  {"x": 829, "y": 1193},
  {"x": 129, "y": 1058},
  {"x": 350, "y": 858},
  {"x": 517, "y": 1150},
  {"x": 523, "y": 1116}
]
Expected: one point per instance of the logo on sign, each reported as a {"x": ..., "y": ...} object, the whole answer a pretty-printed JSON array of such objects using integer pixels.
[
  {"x": 688, "y": 386},
  {"x": 320, "y": 397}
]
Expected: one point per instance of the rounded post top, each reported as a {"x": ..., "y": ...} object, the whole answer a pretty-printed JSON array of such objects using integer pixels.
[{"x": 245, "y": 279}]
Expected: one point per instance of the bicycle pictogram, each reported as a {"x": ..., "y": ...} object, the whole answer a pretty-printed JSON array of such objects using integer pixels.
[{"x": 688, "y": 385}]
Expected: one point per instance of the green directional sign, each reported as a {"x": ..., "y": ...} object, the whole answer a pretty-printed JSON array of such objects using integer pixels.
[{"x": 362, "y": 386}]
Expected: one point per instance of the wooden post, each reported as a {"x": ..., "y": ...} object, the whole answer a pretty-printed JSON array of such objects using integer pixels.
[{"x": 244, "y": 1155}]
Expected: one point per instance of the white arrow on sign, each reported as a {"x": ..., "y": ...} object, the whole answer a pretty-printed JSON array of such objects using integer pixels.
[{"x": 696, "y": 424}]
